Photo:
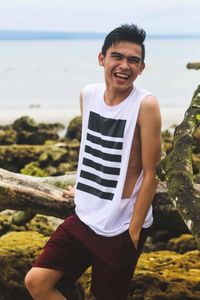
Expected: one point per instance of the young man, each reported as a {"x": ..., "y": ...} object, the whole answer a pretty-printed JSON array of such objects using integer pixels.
[{"x": 120, "y": 148}]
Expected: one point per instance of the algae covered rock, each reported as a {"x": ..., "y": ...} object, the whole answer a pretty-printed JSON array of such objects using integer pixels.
[
  {"x": 17, "y": 253},
  {"x": 182, "y": 244},
  {"x": 8, "y": 136},
  {"x": 74, "y": 129},
  {"x": 29, "y": 132},
  {"x": 40, "y": 160},
  {"x": 167, "y": 275}
]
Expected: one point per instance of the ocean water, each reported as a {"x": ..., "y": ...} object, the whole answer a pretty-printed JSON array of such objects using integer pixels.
[{"x": 47, "y": 76}]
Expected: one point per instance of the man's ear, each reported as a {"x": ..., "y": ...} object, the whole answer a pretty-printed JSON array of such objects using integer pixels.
[
  {"x": 142, "y": 67},
  {"x": 101, "y": 59}
]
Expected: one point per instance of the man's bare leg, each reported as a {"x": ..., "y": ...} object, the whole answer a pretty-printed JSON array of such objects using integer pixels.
[{"x": 41, "y": 283}]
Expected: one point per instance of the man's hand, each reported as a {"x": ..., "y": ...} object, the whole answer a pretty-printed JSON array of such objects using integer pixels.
[
  {"x": 69, "y": 193},
  {"x": 134, "y": 238}
]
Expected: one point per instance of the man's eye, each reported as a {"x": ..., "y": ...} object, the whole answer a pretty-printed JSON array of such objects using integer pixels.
[
  {"x": 134, "y": 60},
  {"x": 116, "y": 57}
]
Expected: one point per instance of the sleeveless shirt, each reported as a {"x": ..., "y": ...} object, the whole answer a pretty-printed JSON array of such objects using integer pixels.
[{"x": 107, "y": 136}]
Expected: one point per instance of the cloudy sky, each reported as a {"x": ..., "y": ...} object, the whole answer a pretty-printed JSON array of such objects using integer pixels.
[{"x": 155, "y": 16}]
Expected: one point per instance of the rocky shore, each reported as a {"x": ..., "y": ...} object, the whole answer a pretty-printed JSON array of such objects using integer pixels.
[{"x": 169, "y": 268}]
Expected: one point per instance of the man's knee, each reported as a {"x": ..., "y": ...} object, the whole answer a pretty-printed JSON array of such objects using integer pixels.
[
  {"x": 32, "y": 282},
  {"x": 38, "y": 281}
]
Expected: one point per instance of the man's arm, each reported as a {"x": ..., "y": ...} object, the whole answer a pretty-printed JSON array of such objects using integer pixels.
[{"x": 149, "y": 122}]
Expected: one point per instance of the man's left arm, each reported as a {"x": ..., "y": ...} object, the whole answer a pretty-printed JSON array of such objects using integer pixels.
[{"x": 149, "y": 122}]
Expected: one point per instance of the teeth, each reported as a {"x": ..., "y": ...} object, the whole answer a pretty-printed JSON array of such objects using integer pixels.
[{"x": 121, "y": 75}]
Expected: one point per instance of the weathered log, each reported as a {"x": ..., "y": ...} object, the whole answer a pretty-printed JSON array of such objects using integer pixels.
[
  {"x": 22, "y": 192},
  {"x": 193, "y": 65},
  {"x": 45, "y": 196},
  {"x": 177, "y": 168}
]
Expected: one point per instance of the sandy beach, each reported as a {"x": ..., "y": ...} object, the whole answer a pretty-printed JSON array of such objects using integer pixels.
[{"x": 170, "y": 116}]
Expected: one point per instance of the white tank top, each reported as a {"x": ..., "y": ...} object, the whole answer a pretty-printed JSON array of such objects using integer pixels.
[{"x": 107, "y": 136}]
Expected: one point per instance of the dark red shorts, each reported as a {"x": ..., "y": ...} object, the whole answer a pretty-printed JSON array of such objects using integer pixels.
[{"x": 74, "y": 247}]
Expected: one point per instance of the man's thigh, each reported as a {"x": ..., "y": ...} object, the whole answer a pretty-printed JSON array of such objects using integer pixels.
[{"x": 65, "y": 253}]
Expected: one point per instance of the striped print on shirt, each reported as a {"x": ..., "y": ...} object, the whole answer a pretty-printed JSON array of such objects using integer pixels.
[{"x": 102, "y": 156}]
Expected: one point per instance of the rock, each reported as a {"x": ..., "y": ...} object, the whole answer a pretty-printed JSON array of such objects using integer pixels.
[
  {"x": 8, "y": 136},
  {"x": 182, "y": 244},
  {"x": 17, "y": 253},
  {"x": 40, "y": 160},
  {"x": 29, "y": 132},
  {"x": 25, "y": 124},
  {"x": 74, "y": 129},
  {"x": 167, "y": 275}
]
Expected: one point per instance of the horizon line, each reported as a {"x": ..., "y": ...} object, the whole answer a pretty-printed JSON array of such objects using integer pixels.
[{"x": 9, "y": 34}]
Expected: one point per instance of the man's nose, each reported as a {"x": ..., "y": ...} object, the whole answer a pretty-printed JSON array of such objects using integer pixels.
[{"x": 124, "y": 63}]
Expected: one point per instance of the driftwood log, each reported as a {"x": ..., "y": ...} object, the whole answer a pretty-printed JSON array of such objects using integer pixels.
[{"x": 193, "y": 65}]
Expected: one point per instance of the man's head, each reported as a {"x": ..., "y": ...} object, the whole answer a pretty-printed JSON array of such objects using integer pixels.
[{"x": 125, "y": 33}]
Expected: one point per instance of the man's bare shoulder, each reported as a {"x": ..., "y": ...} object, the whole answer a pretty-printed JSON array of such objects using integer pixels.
[{"x": 149, "y": 110}]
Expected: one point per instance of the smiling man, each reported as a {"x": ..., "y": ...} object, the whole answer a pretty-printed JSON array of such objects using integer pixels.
[{"x": 120, "y": 148}]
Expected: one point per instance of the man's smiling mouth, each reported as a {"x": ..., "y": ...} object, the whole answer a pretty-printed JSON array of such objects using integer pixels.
[{"x": 121, "y": 75}]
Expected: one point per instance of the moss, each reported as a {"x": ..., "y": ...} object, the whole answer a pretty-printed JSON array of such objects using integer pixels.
[
  {"x": 41, "y": 224},
  {"x": 3, "y": 191},
  {"x": 33, "y": 170},
  {"x": 17, "y": 253},
  {"x": 182, "y": 244}
]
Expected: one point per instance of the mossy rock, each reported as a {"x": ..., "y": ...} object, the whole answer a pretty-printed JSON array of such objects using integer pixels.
[
  {"x": 74, "y": 129},
  {"x": 32, "y": 169},
  {"x": 25, "y": 123},
  {"x": 17, "y": 254},
  {"x": 167, "y": 275},
  {"x": 42, "y": 224},
  {"x": 182, "y": 244},
  {"x": 8, "y": 137}
]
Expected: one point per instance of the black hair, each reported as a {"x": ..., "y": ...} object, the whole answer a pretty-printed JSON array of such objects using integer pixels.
[{"x": 127, "y": 33}]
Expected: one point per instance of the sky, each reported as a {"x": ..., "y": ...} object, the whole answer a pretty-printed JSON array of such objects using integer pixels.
[{"x": 155, "y": 16}]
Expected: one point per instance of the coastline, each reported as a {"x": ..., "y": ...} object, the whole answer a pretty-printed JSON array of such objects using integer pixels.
[{"x": 170, "y": 115}]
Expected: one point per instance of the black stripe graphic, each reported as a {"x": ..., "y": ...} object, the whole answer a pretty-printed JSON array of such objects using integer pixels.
[
  {"x": 98, "y": 179},
  {"x": 88, "y": 189},
  {"x": 99, "y": 167},
  {"x": 104, "y": 143},
  {"x": 106, "y": 126},
  {"x": 103, "y": 155}
]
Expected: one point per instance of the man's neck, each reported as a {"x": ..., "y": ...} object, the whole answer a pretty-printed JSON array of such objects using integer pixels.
[{"x": 113, "y": 97}]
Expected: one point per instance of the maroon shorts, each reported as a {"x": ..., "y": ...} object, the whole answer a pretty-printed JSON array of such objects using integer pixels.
[{"x": 74, "y": 247}]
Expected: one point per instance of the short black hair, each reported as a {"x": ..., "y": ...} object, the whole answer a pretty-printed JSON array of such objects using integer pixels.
[{"x": 127, "y": 33}]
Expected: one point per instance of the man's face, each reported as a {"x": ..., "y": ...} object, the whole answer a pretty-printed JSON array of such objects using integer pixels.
[{"x": 122, "y": 64}]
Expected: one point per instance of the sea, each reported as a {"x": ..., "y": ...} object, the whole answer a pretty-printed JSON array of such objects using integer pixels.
[{"x": 42, "y": 77}]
